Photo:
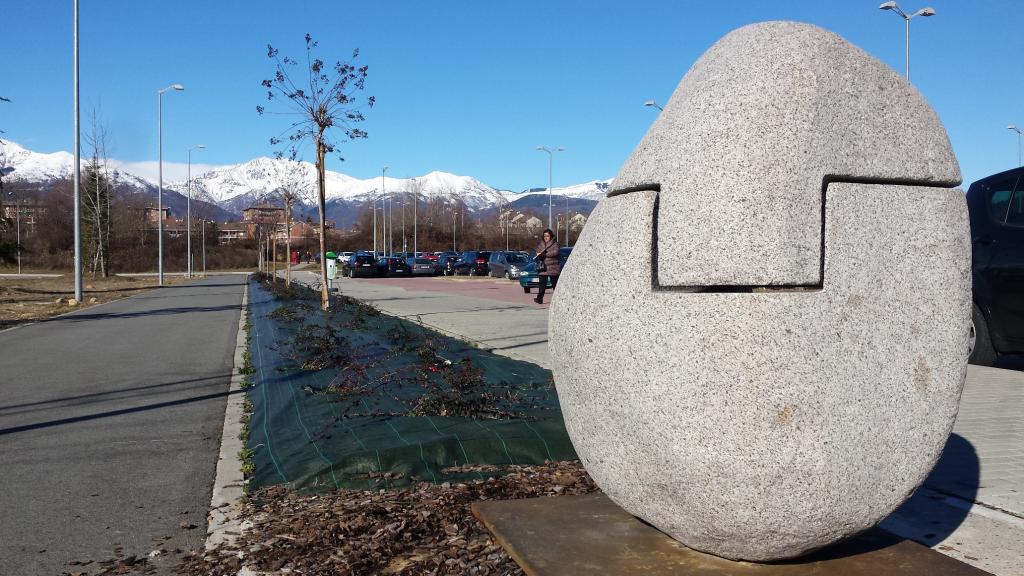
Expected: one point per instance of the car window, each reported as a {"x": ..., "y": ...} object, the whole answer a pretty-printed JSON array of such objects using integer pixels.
[
  {"x": 483, "y": 255},
  {"x": 999, "y": 198},
  {"x": 422, "y": 261},
  {"x": 1015, "y": 210},
  {"x": 517, "y": 259}
]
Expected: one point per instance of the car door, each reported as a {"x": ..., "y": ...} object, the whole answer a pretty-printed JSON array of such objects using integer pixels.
[{"x": 1004, "y": 269}]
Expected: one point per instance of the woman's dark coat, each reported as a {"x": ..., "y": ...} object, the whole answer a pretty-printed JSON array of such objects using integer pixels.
[{"x": 549, "y": 252}]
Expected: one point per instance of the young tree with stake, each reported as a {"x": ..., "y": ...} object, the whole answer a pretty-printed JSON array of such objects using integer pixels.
[
  {"x": 326, "y": 99},
  {"x": 296, "y": 188}
]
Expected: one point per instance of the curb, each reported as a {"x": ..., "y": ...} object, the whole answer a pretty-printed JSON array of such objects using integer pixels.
[{"x": 223, "y": 523}]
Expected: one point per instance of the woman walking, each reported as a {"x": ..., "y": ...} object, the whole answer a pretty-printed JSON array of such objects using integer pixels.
[{"x": 548, "y": 265}]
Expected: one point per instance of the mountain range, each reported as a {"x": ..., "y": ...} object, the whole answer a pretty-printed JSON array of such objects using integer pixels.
[{"x": 223, "y": 193}]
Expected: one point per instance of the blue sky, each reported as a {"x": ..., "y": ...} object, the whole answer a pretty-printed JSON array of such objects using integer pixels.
[{"x": 470, "y": 87}]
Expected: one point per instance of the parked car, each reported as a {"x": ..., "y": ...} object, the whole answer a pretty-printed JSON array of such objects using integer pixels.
[
  {"x": 445, "y": 264},
  {"x": 528, "y": 277},
  {"x": 507, "y": 264},
  {"x": 473, "y": 263},
  {"x": 391, "y": 266},
  {"x": 996, "y": 207},
  {"x": 359, "y": 265},
  {"x": 420, "y": 267}
]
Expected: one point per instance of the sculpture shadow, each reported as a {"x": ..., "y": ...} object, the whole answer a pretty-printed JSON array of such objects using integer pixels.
[{"x": 932, "y": 513}]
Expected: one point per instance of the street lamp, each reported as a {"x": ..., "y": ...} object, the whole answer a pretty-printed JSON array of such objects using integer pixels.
[
  {"x": 654, "y": 104},
  {"x": 1017, "y": 130},
  {"x": 160, "y": 180},
  {"x": 383, "y": 210},
  {"x": 204, "y": 247},
  {"x": 551, "y": 155},
  {"x": 896, "y": 8},
  {"x": 77, "y": 171},
  {"x": 17, "y": 211},
  {"x": 188, "y": 210}
]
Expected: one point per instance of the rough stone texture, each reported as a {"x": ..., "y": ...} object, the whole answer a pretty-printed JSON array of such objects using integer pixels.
[
  {"x": 742, "y": 148},
  {"x": 762, "y": 424}
]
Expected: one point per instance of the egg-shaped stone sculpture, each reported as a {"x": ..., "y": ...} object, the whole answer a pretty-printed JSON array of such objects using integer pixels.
[{"x": 775, "y": 361}]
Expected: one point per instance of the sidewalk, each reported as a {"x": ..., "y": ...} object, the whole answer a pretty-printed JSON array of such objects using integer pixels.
[
  {"x": 971, "y": 506},
  {"x": 110, "y": 427}
]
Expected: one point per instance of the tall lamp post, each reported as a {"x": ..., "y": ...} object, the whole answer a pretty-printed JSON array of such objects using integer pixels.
[
  {"x": 160, "y": 180},
  {"x": 1017, "y": 130},
  {"x": 383, "y": 211},
  {"x": 78, "y": 175},
  {"x": 906, "y": 18},
  {"x": 204, "y": 247},
  {"x": 17, "y": 212},
  {"x": 188, "y": 210},
  {"x": 551, "y": 156},
  {"x": 653, "y": 104},
  {"x": 405, "y": 242}
]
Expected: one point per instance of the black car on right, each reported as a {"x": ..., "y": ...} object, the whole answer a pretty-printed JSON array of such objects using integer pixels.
[
  {"x": 996, "y": 206},
  {"x": 473, "y": 263}
]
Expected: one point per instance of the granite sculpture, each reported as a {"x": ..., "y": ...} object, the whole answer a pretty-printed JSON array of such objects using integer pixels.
[{"x": 777, "y": 360}]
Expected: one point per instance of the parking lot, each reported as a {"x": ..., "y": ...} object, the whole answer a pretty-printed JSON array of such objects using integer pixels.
[{"x": 494, "y": 313}]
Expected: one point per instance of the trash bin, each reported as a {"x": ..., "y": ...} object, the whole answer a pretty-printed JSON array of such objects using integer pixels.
[{"x": 332, "y": 265}]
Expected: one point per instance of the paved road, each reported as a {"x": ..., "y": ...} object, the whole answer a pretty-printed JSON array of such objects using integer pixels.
[
  {"x": 110, "y": 424},
  {"x": 971, "y": 507}
]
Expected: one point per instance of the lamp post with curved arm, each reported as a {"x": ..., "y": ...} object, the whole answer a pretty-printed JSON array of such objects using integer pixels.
[
  {"x": 160, "y": 180},
  {"x": 551, "y": 155},
  {"x": 188, "y": 209},
  {"x": 1018, "y": 131}
]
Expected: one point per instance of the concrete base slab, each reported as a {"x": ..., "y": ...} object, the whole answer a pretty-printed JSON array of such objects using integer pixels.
[{"x": 569, "y": 535}]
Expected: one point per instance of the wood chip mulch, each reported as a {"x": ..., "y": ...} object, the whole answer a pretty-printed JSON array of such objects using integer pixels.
[{"x": 423, "y": 530}]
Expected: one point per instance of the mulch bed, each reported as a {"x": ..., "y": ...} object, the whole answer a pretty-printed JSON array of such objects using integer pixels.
[{"x": 422, "y": 530}]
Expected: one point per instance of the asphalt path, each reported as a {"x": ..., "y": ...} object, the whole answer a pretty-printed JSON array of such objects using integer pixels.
[{"x": 110, "y": 426}]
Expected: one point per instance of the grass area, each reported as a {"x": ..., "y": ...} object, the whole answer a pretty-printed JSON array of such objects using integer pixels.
[
  {"x": 357, "y": 398},
  {"x": 25, "y": 300}
]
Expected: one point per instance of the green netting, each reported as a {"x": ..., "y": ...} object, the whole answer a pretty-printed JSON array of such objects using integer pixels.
[{"x": 328, "y": 428}]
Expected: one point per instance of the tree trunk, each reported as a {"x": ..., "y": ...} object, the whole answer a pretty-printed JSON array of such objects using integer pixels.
[
  {"x": 321, "y": 203},
  {"x": 273, "y": 254},
  {"x": 288, "y": 243}
]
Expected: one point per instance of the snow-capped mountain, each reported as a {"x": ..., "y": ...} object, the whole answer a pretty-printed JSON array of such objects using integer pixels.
[
  {"x": 39, "y": 168},
  {"x": 34, "y": 166},
  {"x": 234, "y": 188},
  {"x": 593, "y": 190}
]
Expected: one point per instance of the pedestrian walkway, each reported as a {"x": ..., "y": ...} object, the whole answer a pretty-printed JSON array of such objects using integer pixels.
[{"x": 110, "y": 426}]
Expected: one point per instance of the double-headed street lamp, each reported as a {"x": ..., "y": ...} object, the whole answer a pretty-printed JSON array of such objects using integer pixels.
[
  {"x": 551, "y": 155},
  {"x": 896, "y": 8},
  {"x": 188, "y": 210},
  {"x": 160, "y": 180},
  {"x": 1017, "y": 130}
]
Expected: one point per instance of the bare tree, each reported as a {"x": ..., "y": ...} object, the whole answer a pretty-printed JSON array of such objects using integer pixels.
[
  {"x": 296, "y": 188},
  {"x": 96, "y": 201},
  {"x": 327, "y": 99}
]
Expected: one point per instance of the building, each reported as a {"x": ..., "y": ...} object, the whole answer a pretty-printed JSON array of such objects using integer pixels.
[
  {"x": 525, "y": 222},
  {"x": 151, "y": 214},
  {"x": 263, "y": 214},
  {"x": 229, "y": 232},
  {"x": 24, "y": 215}
]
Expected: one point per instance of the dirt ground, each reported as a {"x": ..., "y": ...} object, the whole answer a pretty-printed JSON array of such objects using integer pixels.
[{"x": 24, "y": 300}]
